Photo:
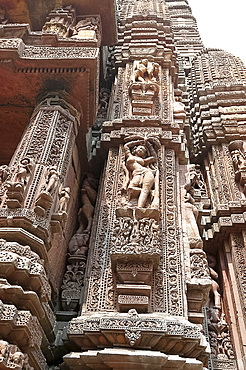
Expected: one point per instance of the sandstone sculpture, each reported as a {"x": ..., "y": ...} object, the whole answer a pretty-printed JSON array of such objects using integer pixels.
[{"x": 141, "y": 171}]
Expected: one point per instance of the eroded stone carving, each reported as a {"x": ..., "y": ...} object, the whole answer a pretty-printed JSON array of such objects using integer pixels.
[
  {"x": 215, "y": 297},
  {"x": 141, "y": 185},
  {"x": 219, "y": 336},
  {"x": 78, "y": 246},
  {"x": 190, "y": 210},
  {"x": 239, "y": 161},
  {"x": 45, "y": 197},
  {"x": 144, "y": 87},
  {"x": 88, "y": 28},
  {"x": 4, "y": 172},
  {"x": 24, "y": 171},
  {"x": 64, "y": 196},
  {"x": 59, "y": 21}
]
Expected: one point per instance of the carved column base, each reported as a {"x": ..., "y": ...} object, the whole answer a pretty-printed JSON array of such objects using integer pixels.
[
  {"x": 14, "y": 194},
  {"x": 43, "y": 203},
  {"x": 156, "y": 332},
  {"x": 134, "y": 256},
  {"x": 143, "y": 95},
  {"x": 73, "y": 282}
]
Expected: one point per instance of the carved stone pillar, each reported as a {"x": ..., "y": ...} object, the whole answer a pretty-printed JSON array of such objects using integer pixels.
[
  {"x": 135, "y": 291},
  {"x": 34, "y": 204}
]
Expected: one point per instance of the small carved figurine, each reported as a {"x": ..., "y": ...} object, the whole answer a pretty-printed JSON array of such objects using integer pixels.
[
  {"x": 24, "y": 170},
  {"x": 64, "y": 199},
  {"x": 146, "y": 72},
  {"x": 78, "y": 244},
  {"x": 141, "y": 72},
  {"x": 52, "y": 180}
]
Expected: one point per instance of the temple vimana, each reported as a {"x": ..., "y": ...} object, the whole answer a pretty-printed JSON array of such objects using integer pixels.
[{"x": 122, "y": 189}]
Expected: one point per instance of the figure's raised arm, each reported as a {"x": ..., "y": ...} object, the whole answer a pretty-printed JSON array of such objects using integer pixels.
[{"x": 131, "y": 144}]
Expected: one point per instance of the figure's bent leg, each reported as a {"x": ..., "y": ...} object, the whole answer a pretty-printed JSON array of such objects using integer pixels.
[{"x": 148, "y": 182}]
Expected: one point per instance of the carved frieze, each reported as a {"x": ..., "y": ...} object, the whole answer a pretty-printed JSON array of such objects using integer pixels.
[{"x": 133, "y": 330}]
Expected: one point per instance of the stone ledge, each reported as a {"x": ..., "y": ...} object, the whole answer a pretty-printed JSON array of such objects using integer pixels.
[
  {"x": 26, "y": 271},
  {"x": 30, "y": 301},
  {"x": 129, "y": 359},
  {"x": 21, "y": 328},
  {"x": 169, "y": 334}
]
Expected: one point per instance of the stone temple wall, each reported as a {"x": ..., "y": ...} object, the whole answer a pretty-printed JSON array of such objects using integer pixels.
[{"x": 122, "y": 192}]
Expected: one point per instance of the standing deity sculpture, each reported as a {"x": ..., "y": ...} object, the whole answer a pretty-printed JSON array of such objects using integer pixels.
[
  {"x": 190, "y": 210},
  {"x": 88, "y": 198},
  {"x": 141, "y": 171}
]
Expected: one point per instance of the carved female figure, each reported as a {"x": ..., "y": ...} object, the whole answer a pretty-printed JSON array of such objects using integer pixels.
[
  {"x": 191, "y": 212},
  {"x": 140, "y": 170}
]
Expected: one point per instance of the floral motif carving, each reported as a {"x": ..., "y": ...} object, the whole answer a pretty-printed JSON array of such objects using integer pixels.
[
  {"x": 132, "y": 236},
  {"x": 219, "y": 336}
]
